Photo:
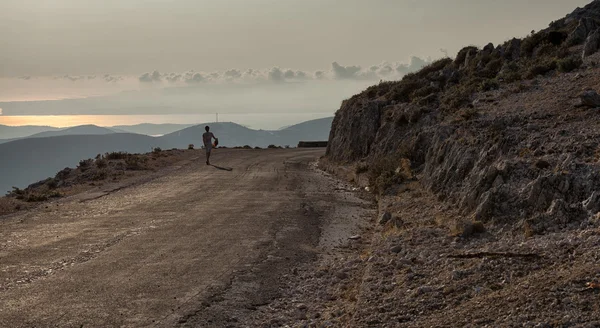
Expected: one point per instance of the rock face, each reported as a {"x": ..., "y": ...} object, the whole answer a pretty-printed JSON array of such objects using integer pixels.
[
  {"x": 592, "y": 43},
  {"x": 586, "y": 26},
  {"x": 513, "y": 155},
  {"x": 353, "y": 141}
]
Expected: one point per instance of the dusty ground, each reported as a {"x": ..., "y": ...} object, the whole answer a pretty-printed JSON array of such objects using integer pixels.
[{"x": 198, "y": 246}]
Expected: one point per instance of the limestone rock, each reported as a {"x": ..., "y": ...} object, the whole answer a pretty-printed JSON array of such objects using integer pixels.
[
  {"x": 586, "y": 26},
  {"x": 513, "y": 50},
  {"x": 590, "y": 98},
  {"x": 385, "y": 217},
  {"x": 592, "y": 43}
]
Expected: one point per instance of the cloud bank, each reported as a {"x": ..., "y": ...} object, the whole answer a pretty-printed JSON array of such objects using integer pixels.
[{"x": 337, "y": 71}]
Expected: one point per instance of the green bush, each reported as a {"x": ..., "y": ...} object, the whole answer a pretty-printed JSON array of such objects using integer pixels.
[
  {"x": 116, "y": 155},
  {"x": 156, "y": 150},
  {"x": 101, "y": 163},
  {"x": 191, "y": 147},
  {"x": 569, "y": 64},
  {"x": 487, "y": 85},
  {"x": 541, "y": 68}
]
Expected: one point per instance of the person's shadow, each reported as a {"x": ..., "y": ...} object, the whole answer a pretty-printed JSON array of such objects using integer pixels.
[{"x": 222, "y": 168}]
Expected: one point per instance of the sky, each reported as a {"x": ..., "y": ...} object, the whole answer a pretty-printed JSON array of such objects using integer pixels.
[{"x": 326, "y": 50}]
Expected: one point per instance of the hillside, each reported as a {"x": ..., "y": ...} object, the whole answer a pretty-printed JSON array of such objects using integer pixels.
[
  {"x": 13, "y": 132},
  {"x": 32, "y": 159},
  {"x": 229, "y": 134},
  {"x": 314, "y": 130},
  {"x": 151, "y": 129},
  {"x": 491, "y": 155},
  {"x": 76, "y": 130}
]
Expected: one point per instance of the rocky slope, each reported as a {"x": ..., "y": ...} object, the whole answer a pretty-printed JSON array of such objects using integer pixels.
[
  {"x": 487, "y": 173},
  {"x": 499, "y": 131}
]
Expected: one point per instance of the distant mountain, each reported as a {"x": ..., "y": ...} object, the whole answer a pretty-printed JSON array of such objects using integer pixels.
[
  {"x": 229, "y": 134},
  {"x": 151, "y": 129},
  {"x": 76, "y": 130},
  {"x": 12, "y": 132},
  {"x": 232, "y": 134},
  {"x": 315, "y": 130},
  {"x": 29, "y": 160}
]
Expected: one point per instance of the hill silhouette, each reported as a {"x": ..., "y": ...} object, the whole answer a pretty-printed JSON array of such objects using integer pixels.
[
  {"x": 76, "y": 130},
  {"x": 31, "y": 159},
  {"x": 13, "y": 132},
  {"x": 150, "y": 129}
]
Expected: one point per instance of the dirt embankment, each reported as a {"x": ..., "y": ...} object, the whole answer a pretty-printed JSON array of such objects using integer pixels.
[{"x": 487, "y": 169}]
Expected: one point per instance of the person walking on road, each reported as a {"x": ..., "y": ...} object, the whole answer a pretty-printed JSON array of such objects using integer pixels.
[{"x": 207, "y": 138}]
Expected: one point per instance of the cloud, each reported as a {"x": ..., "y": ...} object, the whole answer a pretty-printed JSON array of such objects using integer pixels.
[
  {"x": 337, "y": 71},
  {"x": 173, "y": 77},
  {"x": 344, "y": 72},
  {"x": 232, "y": 74},
  {"x": 155, "y": 76},
  {"x": 415, "y": 64},
  {"x": 110, "y": 78},
  {"x": 193, "y": 77},
  {"x": 276, "y": 74}
]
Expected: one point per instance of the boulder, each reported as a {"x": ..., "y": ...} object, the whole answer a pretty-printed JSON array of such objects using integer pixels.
[
  {"x": 513, "y": 49},
  {"x": 592, "y": 44},
  {"x": 585, "y": 26},
  {"x": 590, "y": 98},
  {"x": 385, "y": 217}
]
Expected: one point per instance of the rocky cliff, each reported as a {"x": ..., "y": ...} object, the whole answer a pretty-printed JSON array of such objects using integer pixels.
[{"x": 501, "y": 132}]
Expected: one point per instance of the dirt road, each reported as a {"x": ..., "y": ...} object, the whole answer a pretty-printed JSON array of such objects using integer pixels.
[{"x": 159, "y": 253}]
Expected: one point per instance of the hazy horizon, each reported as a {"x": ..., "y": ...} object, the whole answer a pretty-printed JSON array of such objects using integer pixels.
[
  {"x": 262, "y": 57},
  {"x": 254, "y": 121}
]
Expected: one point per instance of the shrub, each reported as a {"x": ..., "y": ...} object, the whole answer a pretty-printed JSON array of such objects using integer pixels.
[
  {"x": 191, "y": 147},
  {"x": 388, "y": 171},
  {"x": 16, "y": 192},
  {"x": 272, "y": 147},
  {"x": 436, "y": 66},
  {"x": 468, "y": 113},
  {"x": 51, "y": 183},
  {"x": 466, "y": 229},
  {"x": 257, "y": 147},
  {"x": 462, "y": 54},
  {"x": 247, "y": 147},
  {"x": 133, "y": 163},
  {"x": 99, "y": 175},
  {"x": 116, "y": 155},
  {"x": 156, "y": 150},
  {"x": 531, "y": 42},
  {"x": 85, "y": 163},
  {"x": 101, "y": 163},
  {"x": 456, "y": 98},
  {"x": 487, "y": 85},
  {"x": 569, "y": 64},
  {"x": 361, "y": 168},
  {"x": 541, "y": 68}
]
